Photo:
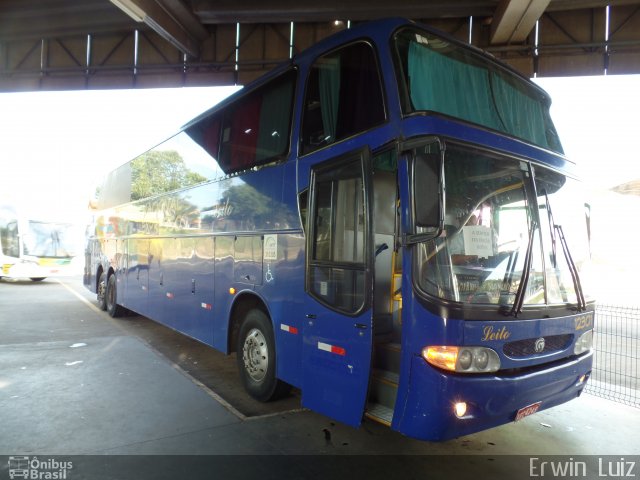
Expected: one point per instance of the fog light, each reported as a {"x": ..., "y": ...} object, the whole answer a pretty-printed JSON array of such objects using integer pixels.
[
  {"x": 582, "y": 379},
  {"x": 460, "y": 409}
]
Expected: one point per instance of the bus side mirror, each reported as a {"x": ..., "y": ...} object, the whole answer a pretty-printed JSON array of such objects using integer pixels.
[{"x": 428, "y": 191}]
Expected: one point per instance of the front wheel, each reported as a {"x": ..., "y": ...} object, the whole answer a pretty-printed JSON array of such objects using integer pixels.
[
  {"x": 256, "y": 356},
  {"x": 113, "y": 309},
  {"x": 37, "y": 279}
]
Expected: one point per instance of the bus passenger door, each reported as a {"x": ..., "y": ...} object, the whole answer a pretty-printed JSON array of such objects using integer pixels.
[{"x": 337, "y": 327}]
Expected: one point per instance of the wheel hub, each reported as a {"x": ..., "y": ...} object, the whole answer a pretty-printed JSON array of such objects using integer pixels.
[
  {"x": 255, "y": 355},
  {"x": 102, "y": 287}
]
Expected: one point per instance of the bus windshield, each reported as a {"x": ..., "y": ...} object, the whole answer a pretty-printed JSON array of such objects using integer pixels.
[
  {"x": 439, "y": 76},
  {"x": 501, "y": 230},
  {"x": 45, "y": 239}
]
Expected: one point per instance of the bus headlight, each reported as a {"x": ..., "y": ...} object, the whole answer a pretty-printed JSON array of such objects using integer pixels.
[
  {"x": 584, "y": 343},
  {"x": 462, "y": 359}
]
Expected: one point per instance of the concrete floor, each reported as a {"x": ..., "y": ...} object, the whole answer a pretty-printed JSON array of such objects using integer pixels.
[{"x": 75, "y": 382}]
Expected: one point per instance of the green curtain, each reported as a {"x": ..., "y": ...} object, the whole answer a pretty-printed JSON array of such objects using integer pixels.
[
  {"x": 523, "y": 116},
  {"x": 329, "y": 80},
  {"x": 456, "y": 86},
  {"x": 275, "y": 119},
  {"x": 446, "y": 85}
]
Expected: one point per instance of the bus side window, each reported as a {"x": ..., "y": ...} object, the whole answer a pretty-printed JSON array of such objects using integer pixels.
[
  {"x": 258, "y": 128},
  {"x": 344, "y": 96},
  {"x": 10, "y": 240},
  {"x": 252, "y": 131}
]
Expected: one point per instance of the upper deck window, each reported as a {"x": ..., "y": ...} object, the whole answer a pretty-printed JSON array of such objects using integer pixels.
[
  {"x": 343, "y": 97},
  {"x": 252, "y": 131},
  {"x": 440, "y": 76}
]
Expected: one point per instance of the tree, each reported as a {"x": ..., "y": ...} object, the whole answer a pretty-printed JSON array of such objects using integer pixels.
[{"x": 158, "y": 172}]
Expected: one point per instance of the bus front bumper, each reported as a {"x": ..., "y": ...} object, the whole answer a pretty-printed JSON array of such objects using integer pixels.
[
  {"x": 428, "y": 412},
  {"x": 27, "y": 269}
]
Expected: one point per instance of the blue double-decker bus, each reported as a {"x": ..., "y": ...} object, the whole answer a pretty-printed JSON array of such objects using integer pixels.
[{"x": 387, "y": 223}]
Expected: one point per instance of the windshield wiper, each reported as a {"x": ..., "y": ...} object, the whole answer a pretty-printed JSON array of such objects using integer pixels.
[
  {"x": 573, "y": 270},
  {"x": 552, "y": 233},
  {"x": 582, "y": 305},
  {"x": 526, "y": 270}
]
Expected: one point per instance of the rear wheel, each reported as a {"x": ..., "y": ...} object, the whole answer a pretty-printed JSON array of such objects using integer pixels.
[
  {"x": 113, "y": 309},
  {"x": 37, "y": 279},
  {"x": 102, "y": 291},
  {"x": 256, "y": 355}
]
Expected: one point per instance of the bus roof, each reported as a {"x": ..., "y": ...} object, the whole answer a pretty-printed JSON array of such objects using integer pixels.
[{"x": 379, "y": 30}]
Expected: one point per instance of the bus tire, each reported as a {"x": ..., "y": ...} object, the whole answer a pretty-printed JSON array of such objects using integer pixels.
[
  {"x": 37, "y": 279},
  {"x": 256, "y": 356},
  {"x": 113, "y": 309},
  {"x": 101, "y": 294}
]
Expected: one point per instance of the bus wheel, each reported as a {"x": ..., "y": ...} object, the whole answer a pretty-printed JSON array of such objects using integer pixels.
[
  {"x": 102, "y": 291},
  {"x": 256, "y": 355},
  {"x": 37, "y": 279},
  {"x": 113, "y": 309}
]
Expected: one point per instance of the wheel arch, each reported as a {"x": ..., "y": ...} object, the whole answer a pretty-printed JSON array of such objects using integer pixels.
[
  {"x": 242, "y": 304},
  {"x": 101, "y": 268}
]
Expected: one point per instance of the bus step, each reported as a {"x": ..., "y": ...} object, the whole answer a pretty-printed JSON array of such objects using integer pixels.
[
  {"x": 382, "y": 325},
  {"x": 384, "y": 388},
  {"x": 387, "y": 357},
  {"x": 379, "y": 413}
]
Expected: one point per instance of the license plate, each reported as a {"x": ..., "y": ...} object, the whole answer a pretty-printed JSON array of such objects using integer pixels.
[{"x": 526, "y": 411}]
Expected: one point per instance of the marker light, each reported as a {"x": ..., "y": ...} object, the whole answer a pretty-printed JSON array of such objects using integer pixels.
[
  {"x": 232, "y": 291},
  {"x": 584, "y": 343},
  {"x": 460, "y": 409},
  {"x": 462, "y": 359}
]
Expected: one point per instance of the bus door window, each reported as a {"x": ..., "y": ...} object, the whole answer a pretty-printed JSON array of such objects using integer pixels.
[{"x": 337, "y": 267}]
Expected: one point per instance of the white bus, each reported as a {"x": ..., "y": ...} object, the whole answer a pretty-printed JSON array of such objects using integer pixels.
[{"x": 33, "y": 248}]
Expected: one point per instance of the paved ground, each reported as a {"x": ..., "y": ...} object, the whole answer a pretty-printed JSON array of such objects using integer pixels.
[{"x": 75, "y": 382}]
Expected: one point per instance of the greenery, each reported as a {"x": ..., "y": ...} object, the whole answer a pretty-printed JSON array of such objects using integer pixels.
[{"x": 158, "y": 172}]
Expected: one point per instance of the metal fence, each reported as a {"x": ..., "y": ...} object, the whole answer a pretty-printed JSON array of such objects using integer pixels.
[{"x": 617, "y": 354}]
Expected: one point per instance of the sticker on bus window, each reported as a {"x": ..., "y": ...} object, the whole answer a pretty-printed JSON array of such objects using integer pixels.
[{"x": 478, "y": 240}]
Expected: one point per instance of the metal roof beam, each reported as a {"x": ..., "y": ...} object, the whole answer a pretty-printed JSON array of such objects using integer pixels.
[
  {"x": 514, "y": 20},
  {"x": 163, "y": 18},
  {"x": 259, "y": 11}
]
